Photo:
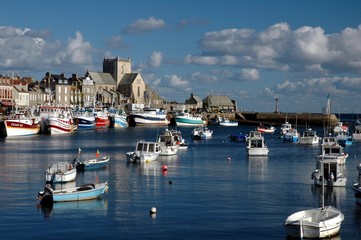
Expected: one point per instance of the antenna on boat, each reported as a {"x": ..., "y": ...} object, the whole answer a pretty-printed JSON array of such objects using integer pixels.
[{"x": 323, "y": 181}]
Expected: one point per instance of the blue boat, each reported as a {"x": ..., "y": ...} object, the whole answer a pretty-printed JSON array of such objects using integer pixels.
[
  {"x": 85, "y": 120},
  {"x": 91, "y": 164},
  {"x": 80, "y": 193},
  {"x": 238, "y": 137}
]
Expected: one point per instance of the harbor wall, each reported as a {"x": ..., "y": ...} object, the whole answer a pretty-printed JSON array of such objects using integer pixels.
[{"x": 276, "y": 119}]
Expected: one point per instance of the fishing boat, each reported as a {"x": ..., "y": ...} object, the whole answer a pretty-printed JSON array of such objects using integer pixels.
[
  {"x": 309, "y": 137},
  {"x": 330, "y": 149},
  {"x": 323, "y": 222},
  {"x": 120, "y": 119},
  {"x": 60, "y": 172},
  {"x": 101, "y": 118},
  {"x": 200, "y": 133},
  {"x": 83, "y": 192},
  {"x": 167, "y": 143},
  {"x": 179, "y": 139},
  {"x": 328, "y": 173},
  {"x": 356, "y": 135},
  {"x": 284, "y": 128},
  {"x": 84, "y": 119},
  {"x": 21, "y": 124},
  {"x": 291, "y": 135},
  {"x": 149, "y": 117},
  {"x": 145, "y": 151},
  {"x": 225, "y": 122},
  {"x": 256, "y": 145},
  {"x": 188, "y": 119},
  {"x": 58, "y": 120}
]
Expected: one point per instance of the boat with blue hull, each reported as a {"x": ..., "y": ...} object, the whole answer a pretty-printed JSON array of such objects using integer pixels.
[
  {"x": 188, "y": 119},
  {"x": 83, "y": 192}
]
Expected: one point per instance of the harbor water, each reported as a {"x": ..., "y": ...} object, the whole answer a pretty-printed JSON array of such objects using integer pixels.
[{"x": 212, "y": 190}]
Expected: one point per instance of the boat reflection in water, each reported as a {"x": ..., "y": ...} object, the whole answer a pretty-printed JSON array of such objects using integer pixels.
[
  {"x": 95, "y": 207},
  {"x": 257, "y": 167}
]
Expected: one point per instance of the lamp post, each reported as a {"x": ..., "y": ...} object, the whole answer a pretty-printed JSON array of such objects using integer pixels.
[{"x": 276, "y": 110}]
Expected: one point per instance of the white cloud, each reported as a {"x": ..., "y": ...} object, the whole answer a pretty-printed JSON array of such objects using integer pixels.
[
  {"x": 144, "y": 25},
  {"x": 204, "y": 60},
  {"x": 176, "y": 81},
  {"x": 155, "y": 59},
  {"x": 250, "y": 74}
]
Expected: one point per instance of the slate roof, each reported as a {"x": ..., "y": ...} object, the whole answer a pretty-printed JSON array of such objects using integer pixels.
[
  {"x": 102, "y": 78},
  {"x": 128, "y": 78}
]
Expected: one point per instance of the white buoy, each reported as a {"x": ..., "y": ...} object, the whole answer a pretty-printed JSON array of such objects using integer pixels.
[{"x": 153, "y": 210}]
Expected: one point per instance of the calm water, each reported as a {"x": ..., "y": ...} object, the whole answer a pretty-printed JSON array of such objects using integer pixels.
[{"x": 209, "y": 198}]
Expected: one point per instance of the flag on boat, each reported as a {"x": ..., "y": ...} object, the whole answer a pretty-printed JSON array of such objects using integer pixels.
[{"x": 98, "y": 153}]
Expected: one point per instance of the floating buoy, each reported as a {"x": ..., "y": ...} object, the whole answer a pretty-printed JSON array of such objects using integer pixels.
[
  {"x": 164, "y": 168},
  {"x": 170, "y": 182},
  {"x": 153, "y": 210},
  {"x": 229, "y": 159}
]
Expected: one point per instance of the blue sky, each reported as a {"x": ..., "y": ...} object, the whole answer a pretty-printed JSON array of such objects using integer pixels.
[{"x": 252, "y": 51}]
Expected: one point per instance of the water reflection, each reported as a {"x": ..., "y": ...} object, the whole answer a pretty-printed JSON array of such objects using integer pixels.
[
  {"x": 332, "y": 195},
  {"x": 94, "y": 207},
  {"x": 257, "y": 167}
]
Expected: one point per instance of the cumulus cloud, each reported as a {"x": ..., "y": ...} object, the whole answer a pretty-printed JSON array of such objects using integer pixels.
[
  {"x": 144, "y": 25},
  {"x": 281, "y": 48},
  {"x": 250, "y": 74},
  {"x": 203, "y": 60},
  {"x": 176, "y": 81},
  {"x": 155, "y": 59},
  {"x": 115, "y": 42}
]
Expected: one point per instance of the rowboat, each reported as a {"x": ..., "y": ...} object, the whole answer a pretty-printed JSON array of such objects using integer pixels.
[
  {"x": 83, "y": 192},
  {"x": 60, "y": 172}
]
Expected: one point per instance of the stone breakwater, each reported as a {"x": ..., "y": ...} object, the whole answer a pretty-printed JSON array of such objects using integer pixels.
[{"x": 299, "y": 119}]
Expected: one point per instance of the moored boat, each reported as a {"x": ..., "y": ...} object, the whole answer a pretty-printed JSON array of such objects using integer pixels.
[
  {"x": 167, "y": 143},
  {"x": 20, "y": 124},
  {"x": 145, "y": 151},
  {"x": 188, "y": 119},
  {"x": 256, "y": 145},
  {"x": 309, "y": 137},
  {"x": 91, "y": 163},
  {"x": 84, "y": 192},
  {"x": 60, "y": 172},
  {"x": 149, "y": 117},
  {"x": 58, "y": 120}
]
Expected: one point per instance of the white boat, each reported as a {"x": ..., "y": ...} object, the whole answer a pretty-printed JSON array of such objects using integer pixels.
[
  {"x": 179, "y": 139},
  {"x": 200, "y": 133},
  {"x": 149, "y": 116},
  {"x": 344, "y": 138},
  {"x": 20, "y": 124},
  {"x": 91, "y": 163},
  {"x": 291, "y": 135},
  {"x": 256, "y": 145},
  {"x": 323, "y": 222},
  {"x": 357, "y": 132},
  {"x": 356, "y": 187},
  {"x": 309, "y": 137},
  {"x": 330, "y": 149},
  {"x": 284, "y": 127},
  {"x": 145, "y": 151},
  {"x": 119, "y": 117},
  {"x": 80, "y": 193},
  {"x": 167, "y": 143},
  {"x": 340, "y": 128},
  {"x": 59, "y": 120},
  {"x": 60, "y": 172},
  {"x": 331, "y": 176},
  {"x": 264, "y": 129},
  {"x": 228, "y": 123},
  {"x": 187, "y": 119}
]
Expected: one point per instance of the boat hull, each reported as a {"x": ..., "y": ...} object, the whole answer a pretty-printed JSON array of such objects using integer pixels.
[
  {"x": 77, "y": 194},
  {"x": 92, "y": 164},
  {"x": 21, "y": 127},
  {"x": 86, "y": 123},
  {"x": 314, "y": 223},
  {"x": 188, "y": 121},
  {"x": 59, "y": 125},
  {"x": 120, "y": 121}
]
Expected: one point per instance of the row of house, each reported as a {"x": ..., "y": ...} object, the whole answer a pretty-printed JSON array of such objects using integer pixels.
[{"x": 117, "y": 85}]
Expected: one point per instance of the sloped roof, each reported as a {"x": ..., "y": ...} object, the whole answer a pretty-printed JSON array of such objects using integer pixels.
[
  {"x": 128, "y": 78},
  {"x": 102, "y": 78},
  {"x": 216, "y": 100}
]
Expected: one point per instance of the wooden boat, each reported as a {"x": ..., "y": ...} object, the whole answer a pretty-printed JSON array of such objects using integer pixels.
[
  {"x": 84, "y": 192},
  {"x": 323, "y": 222},
  {"x": 256, "y": 145},
  {"x": 145, "y": 151},
  {"x": 60, "y": 172}
]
